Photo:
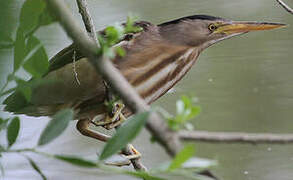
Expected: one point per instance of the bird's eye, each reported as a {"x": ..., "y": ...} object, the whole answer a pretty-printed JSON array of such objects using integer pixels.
[{"x": 212, "y": 27}]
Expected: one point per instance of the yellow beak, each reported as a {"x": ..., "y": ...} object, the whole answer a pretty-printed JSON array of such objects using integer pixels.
[{"x": 243, "y": 27}]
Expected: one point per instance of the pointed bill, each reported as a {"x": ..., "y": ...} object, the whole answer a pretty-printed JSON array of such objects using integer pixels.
[{"x": 243, "y": 27}]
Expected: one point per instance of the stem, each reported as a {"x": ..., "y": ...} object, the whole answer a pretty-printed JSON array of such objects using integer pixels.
[
  {"x": 236, "y": 137},
  {"x": 285, "y": 6},
  {"x": 86, "y": 17}
]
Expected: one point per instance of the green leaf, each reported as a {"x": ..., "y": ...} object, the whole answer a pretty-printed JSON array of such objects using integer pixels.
[
  {"x": 38, "y": 63},
  {"x": 36, "y": 168},
  {"x": 185, "y": 112},
  {"x": 13, "y": 130},
  {"x": 30, "y": 13},
  {"x": 46, "y": 18},
  {"x": 76, "y": 161},
  {"x": 187, "y": 101},
  {"x": 56, "y": 126},
  {"x": 129, "y": 27},
  {"x": 120, "y": 51},
  {"x": 113, "y": 34},
  {"x": 19, "y": 49},
  {"x": 194, "y": 111},
  {"x": 186, "y": 153},
  {"x": 124, "y": 135},
  {"x": 143, "y": 175}
]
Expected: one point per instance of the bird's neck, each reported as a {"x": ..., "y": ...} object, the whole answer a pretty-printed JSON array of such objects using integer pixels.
[{"x": 161, "y": 71}]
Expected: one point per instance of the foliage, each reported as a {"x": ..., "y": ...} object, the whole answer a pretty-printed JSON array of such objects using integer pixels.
[
  {"x": 29, "y": 52},
  {"x": 56, "y": 126},
  {"x": 13, "y": 130},
  {"x": 185, "y": 111},
  {"x": 36, "y": 167},
  {"x": 113, "y": 34},
  {"x": 76, "y": 161},
  {"x": 186, "y": 153}
]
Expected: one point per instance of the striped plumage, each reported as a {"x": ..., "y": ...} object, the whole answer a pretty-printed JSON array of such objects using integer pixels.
[{"x": 156, "y": 59}]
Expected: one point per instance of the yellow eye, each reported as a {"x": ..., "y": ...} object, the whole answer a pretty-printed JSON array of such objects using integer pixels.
[{"x": 212, "y": 27}]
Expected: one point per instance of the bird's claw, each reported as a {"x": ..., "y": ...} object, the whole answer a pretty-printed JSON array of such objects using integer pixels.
[
  {"x": 112, "y": 119},
  {"x": 122, "y": 159}
]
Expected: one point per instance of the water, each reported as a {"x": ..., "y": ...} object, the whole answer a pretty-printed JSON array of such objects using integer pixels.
[{"x": 243, "y": 84}]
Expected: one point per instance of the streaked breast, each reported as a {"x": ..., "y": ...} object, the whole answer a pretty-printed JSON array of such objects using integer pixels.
[{"x": 160, "y": 73}]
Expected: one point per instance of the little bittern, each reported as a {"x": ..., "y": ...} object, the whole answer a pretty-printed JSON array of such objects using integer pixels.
[{"x": 156, "y": 59}]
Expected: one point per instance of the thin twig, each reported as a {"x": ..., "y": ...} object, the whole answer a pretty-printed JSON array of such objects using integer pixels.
[
  {"x": 87, "y": 20},
  {"x": 285, "y": 6},
  {"x": 74, "y": 67},
  {"x": 236, "y": 137},
  {"x": 86, "y": 17},
  {"x": 118, "y": 83}
]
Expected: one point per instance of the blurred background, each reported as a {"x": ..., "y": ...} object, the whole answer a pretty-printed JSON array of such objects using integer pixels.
[{"x": 243, "y": 84}]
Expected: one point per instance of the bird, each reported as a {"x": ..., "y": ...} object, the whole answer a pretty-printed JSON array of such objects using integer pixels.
[{"x": 156, "y": 59}]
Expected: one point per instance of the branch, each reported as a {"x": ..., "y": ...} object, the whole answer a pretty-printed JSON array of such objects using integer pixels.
[
  {"x": 157, "y": 127},
  {"x": 285, "y": 6},
  {"x": 87, "y": 20},
  {"x": 235, "y": 137},
  {"x": 89, "y": 25}
]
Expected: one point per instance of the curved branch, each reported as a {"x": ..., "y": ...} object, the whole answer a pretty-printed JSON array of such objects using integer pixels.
[
  {"x": 285, "y": 6},
  {"x": 236, "y": 137}
]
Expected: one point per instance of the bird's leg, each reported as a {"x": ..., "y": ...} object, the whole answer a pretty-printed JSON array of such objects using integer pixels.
[{"x": 83, "y": 126}]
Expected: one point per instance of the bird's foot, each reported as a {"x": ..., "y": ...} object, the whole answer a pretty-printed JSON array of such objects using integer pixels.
[
  {"x": 112, "y": 119},
  {"x": 122, "y": 159},
  {"x": 135, "y": 153}
]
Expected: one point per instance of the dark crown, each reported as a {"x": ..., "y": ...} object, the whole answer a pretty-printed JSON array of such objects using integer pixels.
[{"x": 201, "y": 17}]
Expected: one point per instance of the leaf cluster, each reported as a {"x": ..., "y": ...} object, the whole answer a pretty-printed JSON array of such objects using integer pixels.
[
  {"x": 114, "y": 34},
  {"x": 185, "y": 111},
  {"x": 29, "y": 52}
]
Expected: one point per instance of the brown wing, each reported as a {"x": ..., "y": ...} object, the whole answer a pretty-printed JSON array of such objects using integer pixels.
[
  {"x": 68, "y": 88},
  {"x": 65, "y": 56}
]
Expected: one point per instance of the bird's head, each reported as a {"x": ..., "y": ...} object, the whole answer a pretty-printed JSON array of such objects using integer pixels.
[{"x": 204, "y": 30}]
